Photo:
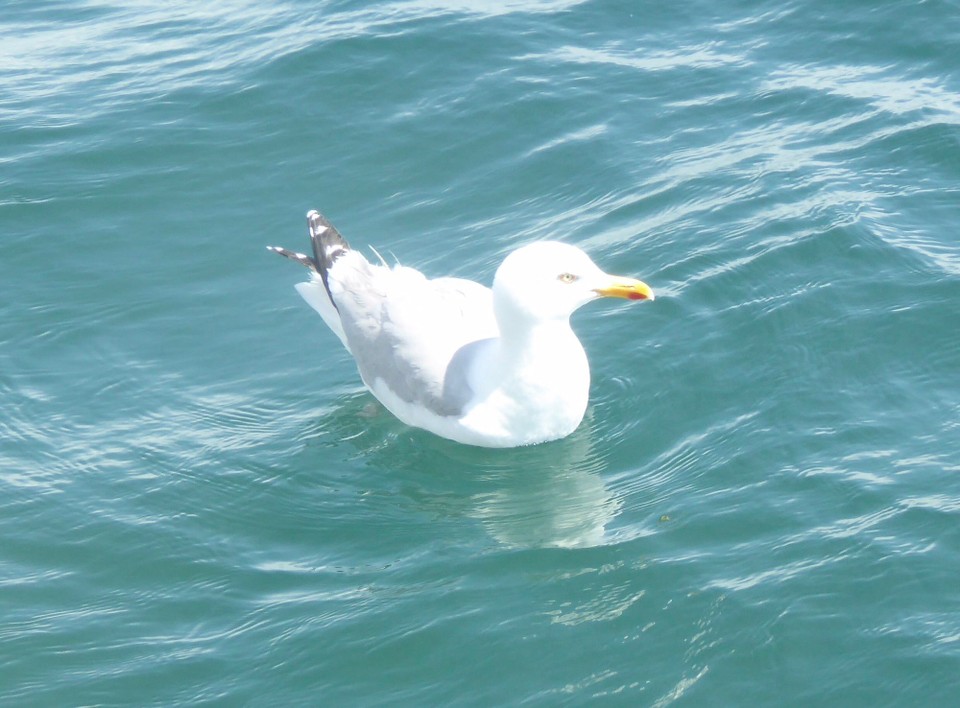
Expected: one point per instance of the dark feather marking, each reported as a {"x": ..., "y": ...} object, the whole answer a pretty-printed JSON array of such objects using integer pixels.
[
  {"x": 301, "y": 258},
  {"x": 328, "y": 245}
]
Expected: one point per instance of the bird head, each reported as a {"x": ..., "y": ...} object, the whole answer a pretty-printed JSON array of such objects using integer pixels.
[{"x": 549, "y": 280}]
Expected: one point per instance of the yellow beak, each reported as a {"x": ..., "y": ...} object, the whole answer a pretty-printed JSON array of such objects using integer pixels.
[{"x": 626, "y": 288}]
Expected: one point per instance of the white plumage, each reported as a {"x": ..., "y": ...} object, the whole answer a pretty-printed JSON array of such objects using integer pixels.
[{"x": 496, "y": 367}]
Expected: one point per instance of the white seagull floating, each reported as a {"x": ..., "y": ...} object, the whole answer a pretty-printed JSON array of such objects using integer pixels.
[{"x": 493, "y": 367}]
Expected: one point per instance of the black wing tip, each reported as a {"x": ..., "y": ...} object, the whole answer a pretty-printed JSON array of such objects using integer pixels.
[
  {"x": 320, "y": 227},
  {"x": 328, "y": 244},
  {"x": 301, "y": 258}
]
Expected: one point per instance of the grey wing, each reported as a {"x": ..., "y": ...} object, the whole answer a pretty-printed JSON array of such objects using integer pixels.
[
  {"x": 405, "y": 330},
  {"x": 457, "y": 388}
]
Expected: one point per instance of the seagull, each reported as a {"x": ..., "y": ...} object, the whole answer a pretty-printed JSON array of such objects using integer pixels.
[{"x": 493, "y": 367}]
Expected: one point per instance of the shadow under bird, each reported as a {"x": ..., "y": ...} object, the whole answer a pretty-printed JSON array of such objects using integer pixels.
[{"x": 494, "y": 367}]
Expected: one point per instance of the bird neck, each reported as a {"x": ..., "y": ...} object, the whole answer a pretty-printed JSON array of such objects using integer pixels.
[
  {"x": 543, "y": 362},
  {"x": 540, "y": 379},
  {"x": 533, "y": 337}
]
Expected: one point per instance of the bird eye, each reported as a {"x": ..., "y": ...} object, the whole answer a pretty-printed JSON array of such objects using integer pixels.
[{"x": 566, "y": 277}]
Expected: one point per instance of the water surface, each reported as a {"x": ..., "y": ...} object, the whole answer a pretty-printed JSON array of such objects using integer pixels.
[{"x": 200, "y": 504}]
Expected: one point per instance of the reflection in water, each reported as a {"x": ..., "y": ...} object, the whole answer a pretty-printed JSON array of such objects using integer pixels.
[{"x": 548, "y": 495}]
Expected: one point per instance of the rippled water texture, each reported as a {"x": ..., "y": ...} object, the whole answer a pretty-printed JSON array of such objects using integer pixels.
[{"x": 200, "y": 503}]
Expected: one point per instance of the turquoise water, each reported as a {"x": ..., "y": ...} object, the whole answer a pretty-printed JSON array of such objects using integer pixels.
[{"x": 200, "y": 504}]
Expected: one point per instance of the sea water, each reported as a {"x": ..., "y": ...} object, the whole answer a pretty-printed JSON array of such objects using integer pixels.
[{"x": 200, "y": 504}]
